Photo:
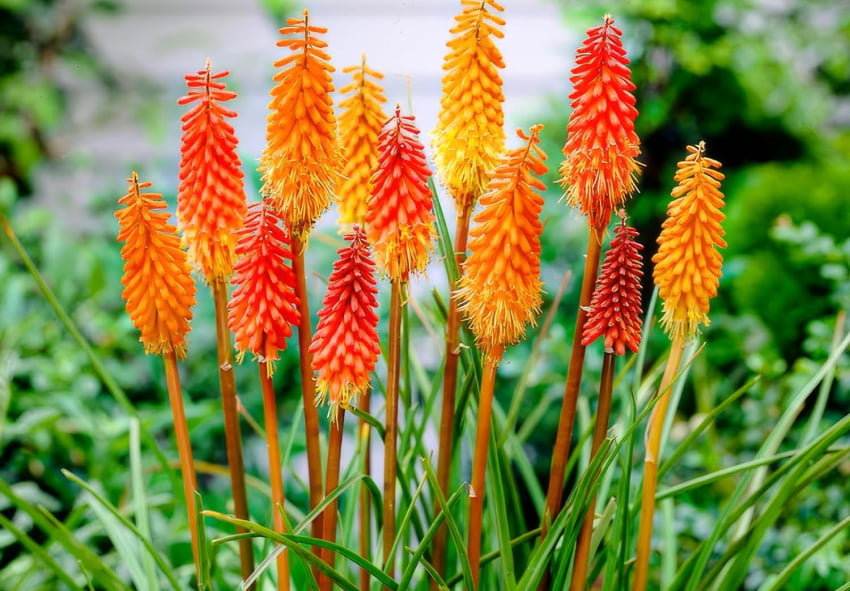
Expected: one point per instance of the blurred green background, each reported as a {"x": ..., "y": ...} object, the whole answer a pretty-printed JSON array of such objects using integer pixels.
[{"x": 765, "y": 83}]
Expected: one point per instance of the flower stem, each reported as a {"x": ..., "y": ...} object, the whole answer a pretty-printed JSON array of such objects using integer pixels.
[
  {"x": 365, "y": 497},
  {"x": 654, "y": 431},
  {"x": 447, "y": 414},
  {"x": 308, "y": 392},
  {"x": 479, "y": 462},
  {"x": 331, "y": 482},
  {"x": 275, "y": 469},
  {"x": 600, "y": 430},
  {"x": 184, "y": 449},
  {"x": 561, "y": 450},
  {"x": 397, "y": 287},
  {"x": 232, "y": 436}
]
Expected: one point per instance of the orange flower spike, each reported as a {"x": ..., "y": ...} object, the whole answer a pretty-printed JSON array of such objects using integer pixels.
[
  {"x": 158, "y": 287},
  {"x": 688, "y": 264},
  {"x": 600, "y": 170},
  {"x": 345, "y": 346},
  {"x": 470, "y": 136},
  {"x": 359, "y": 127},
  {"x": 301, "y": 161},
  {"x": 263, "y": 307},
  {"x": 399, "y": 216},
  {"x": 500, "y": 290},
  {"x": 211, "y": 195},
  {"x": 615, "y": 309}
]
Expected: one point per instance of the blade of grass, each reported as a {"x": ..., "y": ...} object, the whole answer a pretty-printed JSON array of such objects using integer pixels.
[
  {"x": 140, "y": 502},
  {"x": 39, "y": 552},
  {"x": 204, "y": 559}
]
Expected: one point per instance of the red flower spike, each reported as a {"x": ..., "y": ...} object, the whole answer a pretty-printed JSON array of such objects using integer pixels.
[
  {"x": 345, "y": 346},
  {"x": 615, "y": 309},
  {"x": 211, "y": 195},
  {"x": 158, "y": 285},
  {"x": 264, "y": 306},
  {"x": 399, "y": 217},
  {"x": 600, "y": 167}
]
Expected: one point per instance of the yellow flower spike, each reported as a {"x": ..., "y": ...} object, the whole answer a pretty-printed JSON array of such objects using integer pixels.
[
  {"x": 158, "y": 288},
  {"x": 360, "y": 125},
  {"x": 469, "y": 136},
  {"x": 301, "y": 161},
  {"x": 688, "y": 264},
  {"x": 500, "y": 291}
]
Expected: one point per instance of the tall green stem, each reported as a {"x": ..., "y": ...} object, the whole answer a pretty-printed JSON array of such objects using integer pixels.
[
  {"x": 308, "y": 390},
  {"x": 275, "y": 469},
  {"x": 447, "y": 414},
  {"x": 397, "y": 287},
  {"x": 331, "y": 482},
  {"x": 600, "y": 430},
  {"x": 561, "y": 450},
  {"x": 184, "y": 449},
  {"x": 479, "y": 462},
  {"x": 233, "y": 438},
  {"x": 654, "y": 430},
  {"x": 365, "y": 498}
]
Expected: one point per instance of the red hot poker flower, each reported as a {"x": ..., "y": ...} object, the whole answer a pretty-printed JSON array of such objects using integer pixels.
[
  {"x": 500, "y": 290},
  {"x": 688, "y": 264},
  {"x": 345, "y": 346},
  {"x": 600, "y": 167},
  {"x": 301, "y": 162},
  {"x": 399, "y": 217},
  {"x": 158, "y": 287},
  {"x": 263, "y": 306},
  {"x": 359, "y": 127},
  {"x": 615, "y": 309},
  {"x": 211, "y": 195}
]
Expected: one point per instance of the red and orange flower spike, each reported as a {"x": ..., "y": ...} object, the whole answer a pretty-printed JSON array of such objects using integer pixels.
[
  {"x": 211, "y": 195},
  {"x": 301, "y": 161},
  {"x": 158, "y": 287},
  {"x": 345, "y": 345},
  {"x": 687, "y": 264},
  {"x": 615, "y": 310},
  {"x": 399, "y": 217},
  {"x": 470, "y": 136},
  {"x": 599, "y": 171},
  {"x": 264, "y": 306},
  {"x": 500, "y": 291},
  {"x": 359, "y": 127}
]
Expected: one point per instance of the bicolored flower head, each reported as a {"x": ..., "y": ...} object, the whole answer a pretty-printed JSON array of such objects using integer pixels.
[
  {"x": 158, "y": 287},
  {"x": 399, "y": 216},
  {"x": 211, "y": 195},
  {"x": 500, "y": 290},
  {"x": 599, "y": 171},
  {"x": 345, "y": 346},
  {"x": 688, "y": 264},
  {"x": 359, "y": 127},
  {"x": 264, "y": 306},
  {"x": 301, "y": 161},
  {"x": 615, "y": 308},
  {"x": 470, "y": 135}
]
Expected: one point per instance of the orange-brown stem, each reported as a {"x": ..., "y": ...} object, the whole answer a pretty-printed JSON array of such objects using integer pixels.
[
  {"x": 232, "y": 436},
  {"x": 654, "y": 430},
  {"x": 563, "y": 439},
  {"x": 331, "y": 482},
  {"x": 275, "y": 469},
  {"x": 365, "y": 497},
  {"x": 479, "y": 462},
  {"x": 184, "y": 449},
  {"x": 600, "y": 430},
  {"x": 397, "y": 287},
  {"x": 447, "y": 414},
  {"x": 564, "y": 436},
  {"x": 308, "y": 390}
]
